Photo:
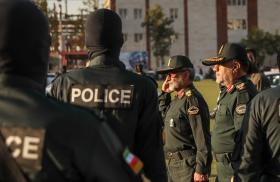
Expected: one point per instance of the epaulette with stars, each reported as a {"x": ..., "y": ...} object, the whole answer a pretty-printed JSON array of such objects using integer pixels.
[
  {"x": 240, "y": 86},
  {"x": 188, "y": 93}
]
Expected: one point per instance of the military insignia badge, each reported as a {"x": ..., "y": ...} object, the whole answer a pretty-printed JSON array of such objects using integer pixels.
[
  {"x": 221, "y": 49},
  {"x": 241, "y": 109},
  {"x": 171, "y": 123},
  {"x": 193, "y": 110},
  {"x": 241, "y": 86},
  {"x": 189, "y": 93}
]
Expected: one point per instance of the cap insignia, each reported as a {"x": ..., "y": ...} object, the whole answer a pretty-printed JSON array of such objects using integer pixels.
[
  {"x": 193, "y": 110},
  {"x": 221, "y": 49}
]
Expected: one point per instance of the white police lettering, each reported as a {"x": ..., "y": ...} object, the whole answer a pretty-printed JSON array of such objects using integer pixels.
[
  {"x": 14, "y": 140},
  {"x": 102, "y": 96},
  {"x": 125, "y": 96},
  {"x": 89, "y": 93},
  {"x": 30, "y": 148},
  {"x": 26, "y": 146},
  {"x": 96, "y": 99},
  {"x": 75, "y": 93}
]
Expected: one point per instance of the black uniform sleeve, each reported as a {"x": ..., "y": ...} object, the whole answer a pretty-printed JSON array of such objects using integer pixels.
[
  {"x": 148, "y": 136},
  {"x": 252, "y": 146},
  {"x": 80, "y": 152},
  {"x": 200, "y": 127},
  {"x": 59, "y": 87}
]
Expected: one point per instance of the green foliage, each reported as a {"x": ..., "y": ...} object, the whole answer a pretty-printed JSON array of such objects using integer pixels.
[
  {"x": 43, "y": 5},
  {"x": 161, "y": 32},
  {"x": 264, "y": 43}
]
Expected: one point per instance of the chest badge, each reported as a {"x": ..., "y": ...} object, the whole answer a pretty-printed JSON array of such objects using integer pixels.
[{"x": 172, "y": 123}]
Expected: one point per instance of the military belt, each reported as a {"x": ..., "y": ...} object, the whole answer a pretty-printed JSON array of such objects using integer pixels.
[
  {"x": 223, "y": 157},
  {"x": 179, "y": 155}
]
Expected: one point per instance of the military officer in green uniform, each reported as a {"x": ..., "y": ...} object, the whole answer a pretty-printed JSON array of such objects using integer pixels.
[
  {"x": 260, "y": 157},
  {"x": 186, "y": 119},
  {"x": 231, "y": 67}
]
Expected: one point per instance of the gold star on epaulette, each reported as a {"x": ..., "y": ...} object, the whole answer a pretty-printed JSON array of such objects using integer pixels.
[
  {"x": 189, "y": 93},
  {"x": 240, "y": 86}
]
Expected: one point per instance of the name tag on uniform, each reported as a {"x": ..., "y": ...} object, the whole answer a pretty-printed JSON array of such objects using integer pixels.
[
  {"x": 115, "y": 97},
  {"x": 26, "y": 146}
]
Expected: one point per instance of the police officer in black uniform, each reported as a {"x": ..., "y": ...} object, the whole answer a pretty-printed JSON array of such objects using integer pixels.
[
  {"x": 126, "y": 100},
  {"x": 50, "y": 141},
  {"x": 231, "y": 66},
  {"x": 187, "y": 124},
  {"x": 260, "y": 157}
]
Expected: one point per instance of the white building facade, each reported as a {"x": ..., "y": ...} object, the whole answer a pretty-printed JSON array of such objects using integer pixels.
[{"x": 202, "y": 25}]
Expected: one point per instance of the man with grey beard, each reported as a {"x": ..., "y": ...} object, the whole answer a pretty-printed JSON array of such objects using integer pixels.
[{"x": 186, "y": 124}]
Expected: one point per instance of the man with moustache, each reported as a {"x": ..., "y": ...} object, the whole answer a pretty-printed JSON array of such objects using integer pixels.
[
  {"x": 186, "y": 124},
  {"x": 231, "y": 67}
]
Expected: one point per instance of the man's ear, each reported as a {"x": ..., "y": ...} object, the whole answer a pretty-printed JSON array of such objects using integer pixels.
[{"x": 236, "y": 66}]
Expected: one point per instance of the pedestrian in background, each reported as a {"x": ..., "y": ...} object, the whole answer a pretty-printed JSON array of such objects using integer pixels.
[
  {"x": 126, "y": 101},
  {"x": 230, "y": 66},
  {"x": 186, "y": 124},
  {"x": 256, "y": 75}
]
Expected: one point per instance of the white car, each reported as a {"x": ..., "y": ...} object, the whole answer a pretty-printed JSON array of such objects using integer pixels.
[{"x": 273, "y": 76}]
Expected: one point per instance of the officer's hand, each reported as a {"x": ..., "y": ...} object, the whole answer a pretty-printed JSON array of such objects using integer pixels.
[
  {"x": 200, "y": 177},
  {"x": 145, "y": 179},
  {"x": 232, "y": 179},
  {"x": 165, "y": 85}
]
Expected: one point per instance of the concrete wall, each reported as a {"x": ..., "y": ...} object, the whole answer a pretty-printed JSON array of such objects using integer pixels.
[
  {"x": 268, "y": 15},
  {"x": 202, "y": 30}
]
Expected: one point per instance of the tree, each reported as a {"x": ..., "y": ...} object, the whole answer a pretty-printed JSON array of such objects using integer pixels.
[
  {"x": 43, "y": 5},
  {"x": 264, "y": 43},
  {"x": 161, "y": 33}
]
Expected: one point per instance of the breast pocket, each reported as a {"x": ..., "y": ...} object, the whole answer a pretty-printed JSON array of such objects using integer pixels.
[
  {"x": 184, "y": 124},
  {"x": 223, "y": 116}
]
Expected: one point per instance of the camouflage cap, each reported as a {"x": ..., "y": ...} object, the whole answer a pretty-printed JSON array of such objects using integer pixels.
[
  {"x": 176, "y": 63},
  {"x": 228, "y": 52}
]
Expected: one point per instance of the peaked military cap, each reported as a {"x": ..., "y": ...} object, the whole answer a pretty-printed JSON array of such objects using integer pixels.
[
  {"x": 228, "y": 52},
  {"x": 176, "y": 63}
]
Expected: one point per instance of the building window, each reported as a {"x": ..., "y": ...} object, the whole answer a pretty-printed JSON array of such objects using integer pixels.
[
  {"x": 237, "y": 24},
  {"x": 137, "y": 13},
  {"x": 236, "y": 2},
  {"x": 125, "y": 36},
  {"x": 173, "y": 13},
  {"x": 123, "y": 13},
  {"x": 138, "y": 37}
]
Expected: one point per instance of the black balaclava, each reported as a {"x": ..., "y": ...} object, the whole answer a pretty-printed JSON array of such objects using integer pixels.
[
  {"x": 24, "y": 40},
  {"x": 104, "y": 33}
]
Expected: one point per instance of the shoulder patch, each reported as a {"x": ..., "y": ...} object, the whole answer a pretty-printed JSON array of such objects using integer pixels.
[
  {"x": 188, "y": 93},
  {"x": 193, "y": 110},
  {"x": 241, "y": 86},
  {"x": 241, "y": 109}
]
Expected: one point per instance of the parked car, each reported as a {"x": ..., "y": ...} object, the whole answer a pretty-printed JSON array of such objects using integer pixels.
[{"x": 274, "y": 77}]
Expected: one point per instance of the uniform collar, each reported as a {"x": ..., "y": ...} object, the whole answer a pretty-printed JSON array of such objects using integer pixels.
[
  {"x": 183, "y": 92},
  {"x": 240, "y": 81},
  {"x": 7, "y": 80}
]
